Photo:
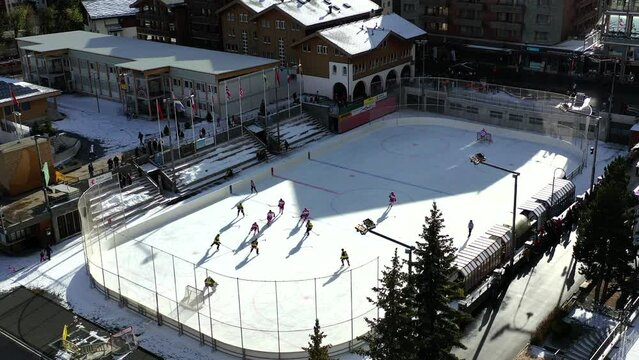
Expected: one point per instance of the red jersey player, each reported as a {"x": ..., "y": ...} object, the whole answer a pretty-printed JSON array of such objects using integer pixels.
[
  {"x": 305, "y": 215},
  {"x": 269, "y": 217},
  {"x": 255, "y": 228},
  {"x": 280, "y": 205},
  {"x": 392, "y": 199}
]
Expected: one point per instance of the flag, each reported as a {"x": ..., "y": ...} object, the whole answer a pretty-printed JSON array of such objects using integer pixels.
[
  {"x": 229, "y": 96},
  {"x": 159, "y": 109},
  {"x": 15, "y": 101},
  {"x": 277, "y": 76},
  {"x": 45, "y": 172},
  {"x": 179, "y": 106},
  {"x": 299, "y": 68},
  {"x": 241, "y": 92}
]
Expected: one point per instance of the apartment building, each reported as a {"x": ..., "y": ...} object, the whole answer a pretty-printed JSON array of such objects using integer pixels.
[
  {"x": 268, "y": 28},
  {"x": 204, "y": 23},
  {"x": 619, "y": 33},
  {"x": 162, "y": 21}
]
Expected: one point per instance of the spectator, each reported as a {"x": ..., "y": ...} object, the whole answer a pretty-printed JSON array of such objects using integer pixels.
[
  {"x": 141, "y": 137},
  {"x": 209, "y": 117},
  {"x": 110, "y": 164},
  {"x": 202, "y": 133},
  {"x": 129, "y": 180},
  {"x": 91, "y": 152},
  {"x": 286, "y": 145},
  {"x": 166, "y": 130},
  {"x": 48, "y": 251},
  {"x": 116, "y": 162},
  {"x": 90, "y": 167}
]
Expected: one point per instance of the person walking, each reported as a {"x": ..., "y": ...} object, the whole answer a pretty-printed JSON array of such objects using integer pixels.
[
  {"x": 48, "y": 251},
  {"x": 91, "y": 169},
  {"x": 253, "y": 188},
  {"x": 110, "y": 164},
  {"x": 286, "y": 145},
  {"x": 470, "y": 227},
  {"x": 141, "y": 138},
  {"x": 344, "y": 256},
  {"x": 116, "y": 162},
  {"x": 91, "y": 152}
]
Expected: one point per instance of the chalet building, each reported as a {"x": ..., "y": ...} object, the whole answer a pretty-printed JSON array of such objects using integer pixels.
[
  {"x": 162, "y": 20},
  {"x": 110, "y": 17},
  {"x": 359, "y": 59},
  {"x": 204, "y": 23},
  {"x": 268, "y": 28}
]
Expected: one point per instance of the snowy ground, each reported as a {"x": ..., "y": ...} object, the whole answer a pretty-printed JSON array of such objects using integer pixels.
[{"x": 340, "y": 187}]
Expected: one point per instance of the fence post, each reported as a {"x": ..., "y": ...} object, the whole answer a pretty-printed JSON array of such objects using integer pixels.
[
  {"x": 213, "y": 344},
  {"x": 177, "y": 302},
  {"x": 117, "y": 270},
  {"x": 277, "y": 318},
  {"x": 199, "y": 325},
  {"x": 155, "y": 283}
]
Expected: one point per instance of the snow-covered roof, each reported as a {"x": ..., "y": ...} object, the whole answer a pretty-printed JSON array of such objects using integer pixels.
[
  {"x": 105, "y": 9},
  {"x": 23, "y": 90},
  {"x": 312, "y": 12},
  {"x": 143, "y": 55},
  {"x": 361, "y": 36}
]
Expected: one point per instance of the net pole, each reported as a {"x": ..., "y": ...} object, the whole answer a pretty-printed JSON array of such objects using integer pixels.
[
  {"x": 277, "y": 316},
  {"x": 155, "y": 284},
  {"x": 199, "y": 325},
  {"x": 177, "y": 302},
  {"x": 352, "y": 320},
  {"x": 239, "y": 306}
]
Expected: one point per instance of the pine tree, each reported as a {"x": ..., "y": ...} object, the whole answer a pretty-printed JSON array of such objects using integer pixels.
[
  {"x": 436, "y": 326},
  {"x": 390, "y": 336},
  {"x": 315, "y": 349},
  {"x": 604, "y": 244}
]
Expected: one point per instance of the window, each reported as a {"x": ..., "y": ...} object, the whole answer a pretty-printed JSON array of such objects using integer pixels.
[
  {"x": 244, "y": 42},
  {"x": 266, "y": 24},
  {"x": 230, "y": 16},
  {"x": 338, "y": 52},
  {"x": 25, "y": 106},
  {"x": 541, "y": 35},
  {"x": 177, "y": 82},
  {"x": 543, "y": 19},
  {"x": 515, "y": 118},
  {"x": 199, "y": 86},
  {"x": 255, "y": 35},
  {"x": 322, "y": 49},
  {"x": 536, "y": 120},
  {"x": 344, "y": 70},
  {"x": 188, "y": 84},
  {"x": 281, "y": 51},
  {"x": 408, "y": 7},
  {"x": 496, "y": 114},
  {"x": 472, "y": 110},
  {"x": 306, "y": 48},
  {"x": 295, "y": 27},
  {"x": 280, "y": 24},
  {"x": 244, "y": 18},
  {"x": 171, "y": 27},
  {"x": 232, "y": 32},
  {"x": 334, "y": 69},
  {"x": 267, "y": 39}
]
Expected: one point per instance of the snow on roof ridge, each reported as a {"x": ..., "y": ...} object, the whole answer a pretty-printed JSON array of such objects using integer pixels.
[{"x": 311, "y": 12}]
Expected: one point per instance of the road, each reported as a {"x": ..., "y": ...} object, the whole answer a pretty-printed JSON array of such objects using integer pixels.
[{"x": 503, "y": 328}]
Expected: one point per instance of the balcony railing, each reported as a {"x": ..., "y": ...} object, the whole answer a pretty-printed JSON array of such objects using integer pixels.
[
  {"x": 513, "y": 9},
  {"x": 435, "y": 18},
  {"x": 501, "y": 25},
  {"x": 468, "y": 22}
]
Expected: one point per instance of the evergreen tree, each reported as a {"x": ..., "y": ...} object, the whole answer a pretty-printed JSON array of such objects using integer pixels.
[
  {"x": 436, "y": 326},
  {"x": 390, "y": 336},
  {"x": 47, "y": 20},
  {"x": 315, "y": 349},
  {"x": 604, "y": 245}
]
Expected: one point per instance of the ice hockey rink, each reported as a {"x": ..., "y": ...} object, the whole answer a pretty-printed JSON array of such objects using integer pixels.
[{"x": 269, "y": 302}]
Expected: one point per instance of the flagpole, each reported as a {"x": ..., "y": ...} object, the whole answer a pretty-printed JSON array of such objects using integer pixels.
[
  {"x": 277, "y": 107},
  {"x": 168, "y": 113},
  {"x": 299, "y": 82},
  {"x": 158, "y": 109},
  {"x": 288, "y": 90},
  {"x": 214, "y": 120},
  {"x": 239, "y": 82},
  {"x": 265, "y": 108},
  {"x": 192, "y": 127},
  {"x": 226, "y": 109},
  {"x": 177, "y": 129}
]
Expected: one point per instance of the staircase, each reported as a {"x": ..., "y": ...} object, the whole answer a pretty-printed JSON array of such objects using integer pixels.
[
  {"x": 208, "y": 169},
  {"x": 112, "y": 207},
  {"x": 299, "y": 131},
  {"x": 586, "y": 345}
]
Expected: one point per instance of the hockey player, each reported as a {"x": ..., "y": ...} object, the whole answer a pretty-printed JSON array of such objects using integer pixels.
[
  {"x": 254, "y": 228},
  {"x": 392, "y": 199},
  {"x": 470, "y": 227},
  {"x": 269, "y": 217},
  {"x": 309, "y": 227},
  {"x": 343, "y": 257},
  {"x": 253, "y": 188},
  {"x": 209, "y": 283},
  {"x": 305, "y": 215},
  {"x": 254, "y": 247},
  {"x": 280, "y": 204},
  {"x": 240, "y": 208},
  {"x": 217, "y": 242}
]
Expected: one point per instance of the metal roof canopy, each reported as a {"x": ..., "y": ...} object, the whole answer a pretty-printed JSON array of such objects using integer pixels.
[
  {"x": 562, "y": 188},
  {"x": 475, "y": 254},
  {"x": 533, "y": 206},
  {"x": 499, "y": 232}
]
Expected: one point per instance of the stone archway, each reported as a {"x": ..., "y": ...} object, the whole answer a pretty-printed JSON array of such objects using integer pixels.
[
  {"x": 406, "y": 74},
  {"x": 376, "y": 85},
  {"x": 339, "y": 92},
  {"x": 359, "y": 92},
  {"x": 391, "y": 79}
]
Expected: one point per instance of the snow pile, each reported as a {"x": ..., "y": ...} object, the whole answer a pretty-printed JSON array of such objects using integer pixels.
[
  {"x": 590, "y": 319},
  {"x": 117, "y": 203}
]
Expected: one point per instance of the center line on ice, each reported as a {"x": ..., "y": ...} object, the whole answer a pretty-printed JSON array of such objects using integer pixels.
[
  {"x": 307, "y": 184},
  {"x": 382, "y": 177}
]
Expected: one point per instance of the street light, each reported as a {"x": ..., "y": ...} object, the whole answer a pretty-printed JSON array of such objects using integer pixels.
[
  {"x": 565, "y": 107},
  {"x": 368, "y": 225},
  {"x": 478, "y": 159},
  {"x": 167, "y": 101},
  {"x": 552, "y": 189}
]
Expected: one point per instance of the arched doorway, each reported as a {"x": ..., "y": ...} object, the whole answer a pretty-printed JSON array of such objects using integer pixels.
[
  {"x": 391, "y": 79},
  {"x": 376, "y": 85},
  {"x": 405, "y": 74},
  {"x": 339, "y": 92},
  {"x": 360, "y": 90}
]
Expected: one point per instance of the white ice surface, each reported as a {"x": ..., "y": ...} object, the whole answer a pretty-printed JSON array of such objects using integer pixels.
[{"x": 65, "y": 274}]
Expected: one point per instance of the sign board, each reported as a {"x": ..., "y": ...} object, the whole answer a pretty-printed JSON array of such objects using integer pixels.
[{"x": 100, "y": 179}]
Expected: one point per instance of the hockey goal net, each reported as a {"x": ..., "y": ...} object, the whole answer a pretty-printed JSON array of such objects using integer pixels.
[
  {"x": 484, "y": 136},
  {"x": 192, "y": 297}
]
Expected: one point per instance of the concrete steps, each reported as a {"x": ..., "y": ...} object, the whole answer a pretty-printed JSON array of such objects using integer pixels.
[{"x": 586, "y": 345}]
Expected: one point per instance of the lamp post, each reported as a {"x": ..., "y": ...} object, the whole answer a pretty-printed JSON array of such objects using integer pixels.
[
  {"x": 552, "y": 189},
  {"x": 368, "y": 225},
  {"x": 167, "y": 102},
  {"x": 478, "y": 159},
  {"x": 565, "y": 107}
]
